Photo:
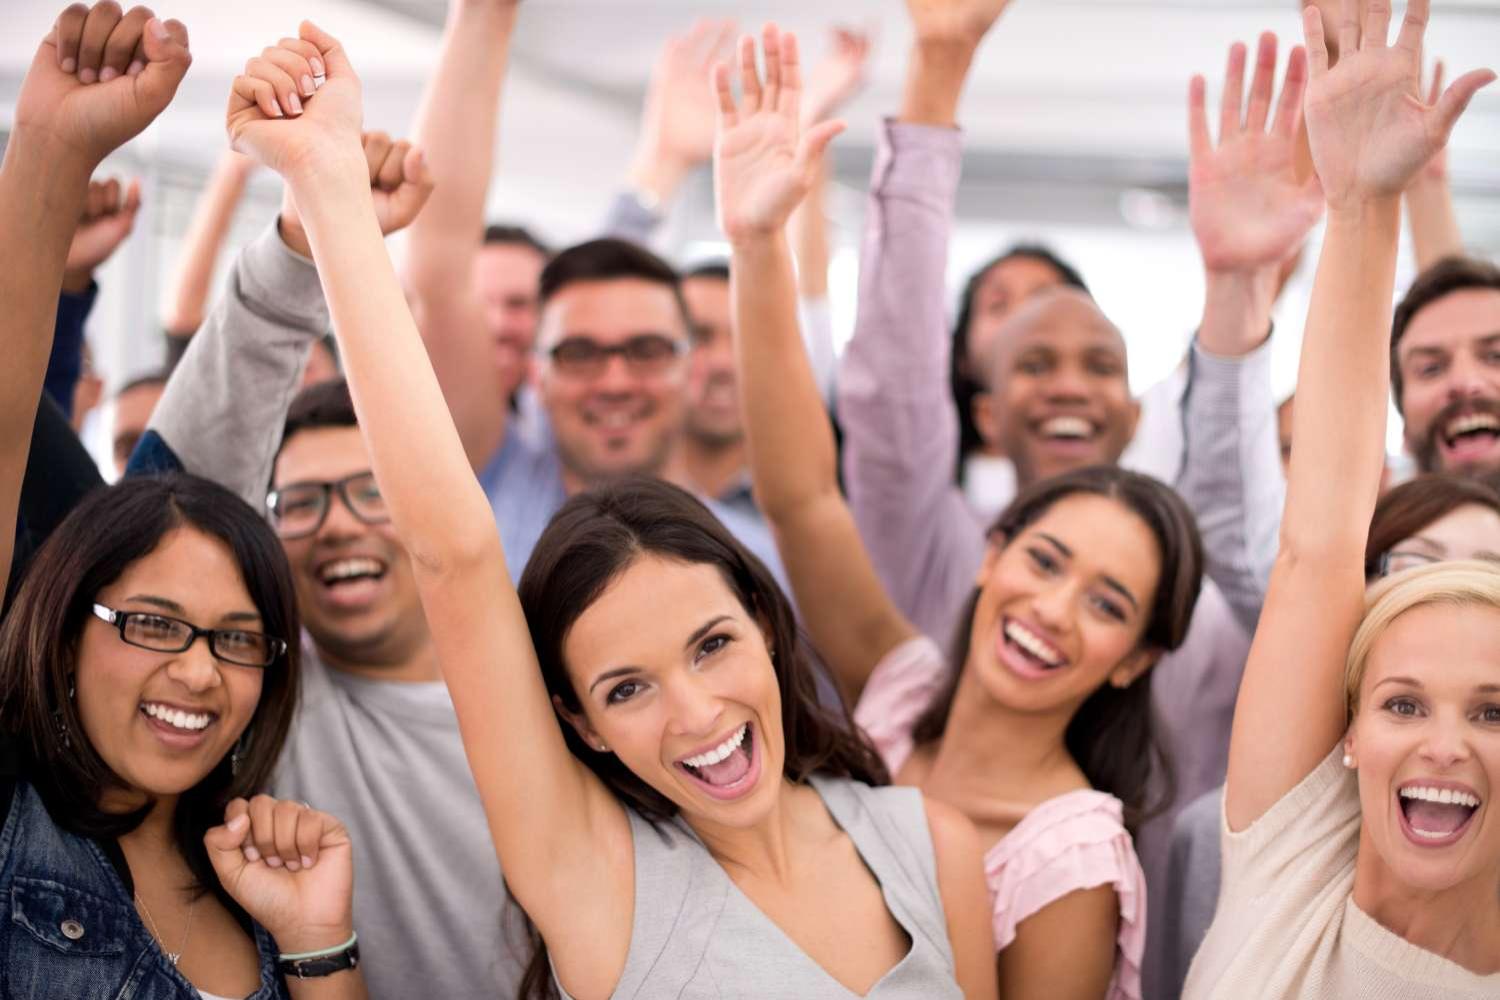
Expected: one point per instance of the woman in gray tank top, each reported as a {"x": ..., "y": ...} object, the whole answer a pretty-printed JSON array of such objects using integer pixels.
[{"x": 696, "y": 824}]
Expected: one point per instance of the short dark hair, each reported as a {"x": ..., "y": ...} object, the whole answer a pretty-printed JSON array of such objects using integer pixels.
[
  {"x": 151, "y": 378},
  {"x": 1408, "y": 508},
  {"x": 499, "y": 234},
  {"x": 1113, "y": 737},
  {"x": 610, "y": 259},
  {"x": 1451, "y": 274},
  {"x": 716, "y": 269},
  {"x": 964, "y": 385},
  {"x": 594, "y": 538},
  {"x": 322, "y": 404},
  {"x": 107, "y": 532}
]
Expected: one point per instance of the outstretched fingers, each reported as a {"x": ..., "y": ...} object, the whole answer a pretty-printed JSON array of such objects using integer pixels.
[
  {"x": 1263, "y": 84},
  {"x": 814, "y": 144},
  {"x": 1414, "y": 25},
  {"x": 1377, "y": 23},
  {"x": 1455, "y": 99},
  {"x": 791, "y": 77},
  {"x": 1200, "y": 143},
  {"x": 1233, "y": 99},
  {"x": 750, "y": 92},
  {"x": 1349, "y": 26},
  {"x": 1317, "y": 45},
  {"x": 728, "y": 116},
  {"x": 1293, "y": 88},
  {"x": 771, "y": 43}
]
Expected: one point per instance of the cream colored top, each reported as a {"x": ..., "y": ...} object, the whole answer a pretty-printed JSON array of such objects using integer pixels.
[{"x": 1286, "y": 924}]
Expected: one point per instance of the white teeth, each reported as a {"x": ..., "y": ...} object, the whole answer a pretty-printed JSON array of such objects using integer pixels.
[
  {"x": 1032, "y": 643},
  {"x": 719, "y": 752},
  {"x": 1068, "y": 427},
  {"x": 1442, "y": 796},
  {"x": 1472, "y": 422},
  {"x": 345, "y": 569},
  {"x": 190, "y": 721}
]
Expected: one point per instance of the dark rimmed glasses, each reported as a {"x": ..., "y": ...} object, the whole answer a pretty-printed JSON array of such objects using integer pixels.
[
  {"x": 299, "y": 509},
  {"x": 164, "y": 634},
  {"x": 1403, "y": 559},
  {"x": 644, "y": 354}
]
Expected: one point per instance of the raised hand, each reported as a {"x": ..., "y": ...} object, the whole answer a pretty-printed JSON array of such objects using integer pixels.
[
  {"x": 297, "y": 105},
  {"x": 400, "y": 183},
  {"x": 764, "y": 162},
  {"x": 108, "y": 217},
  {"x": 100, "y": 77},
  {"x": 1247, "y": 207},
  {"x": 677, "y": 119},
  {"x": 1436, "y": 169},
  {"x": 954, "y": 20},
  {"x": 1368, "y": 130},
  {"x": 838, "y": 77},
  {"x": 291, "y": 868}
]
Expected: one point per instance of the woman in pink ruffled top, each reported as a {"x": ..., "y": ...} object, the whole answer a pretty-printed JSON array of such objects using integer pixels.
[{"x": 1038, "y": 726}]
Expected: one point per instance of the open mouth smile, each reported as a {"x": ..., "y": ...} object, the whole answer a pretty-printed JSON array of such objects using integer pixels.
[
  {"x": 1027, "y": 652},
  {"x": 1469, "y": 436},
  {"x": 1436, "y": 814},
  {"x": 178, "y": 728},
  {"x": 728, "y": 769}
]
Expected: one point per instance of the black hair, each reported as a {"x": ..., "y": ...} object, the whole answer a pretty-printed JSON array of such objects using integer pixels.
[
  {"x": 1449, "y": 275},
  {"x": 499, "y": 234},
  {"x": 107, "y": 532},
  {"x": 1113, "y": 737},
  {"x": 611, "y": 259},
  {"x": 966, "y": 384},
  {"x": 716, "y": 269}
]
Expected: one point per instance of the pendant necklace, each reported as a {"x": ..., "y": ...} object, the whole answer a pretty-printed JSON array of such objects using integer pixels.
[{"x": 172, "y": 956}]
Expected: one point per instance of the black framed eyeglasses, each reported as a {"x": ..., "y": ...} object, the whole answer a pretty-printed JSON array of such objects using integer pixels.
[
  {"x": 644, "y": 354},
  {"x": 165, "y": 634},
  {"x": 299, "y": 509}
]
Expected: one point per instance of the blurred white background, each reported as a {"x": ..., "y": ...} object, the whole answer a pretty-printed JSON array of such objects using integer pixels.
[{"x": 1073, "y": 118}]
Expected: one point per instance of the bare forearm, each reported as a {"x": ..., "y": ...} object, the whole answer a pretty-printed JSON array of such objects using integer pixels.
[
  {"x": 809, "y": 230},
  {"x": 1237, "y": 311},
  {"x": 1339, "y": 425},
  {"x": 1433, "y": 223},
  {"x": 457, "y": 126},
  {"x": 935, "y": 79},
  {"x": 189, "y": 291}
]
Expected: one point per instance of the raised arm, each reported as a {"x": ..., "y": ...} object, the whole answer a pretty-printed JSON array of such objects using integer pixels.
[
  {"x": 1249, "y": 213},
  {"x": 900, "y": 429},
  {"x": 1369, "y": 134},
  {"x": 458, "y": 125},
  {"x": 764, "y": 164},
  {"x": 563, "y": 840},
  {"x": 187, "y": 293},
  {"x": 1429, "y": 201},
  {"x": 62, "y": 129}
]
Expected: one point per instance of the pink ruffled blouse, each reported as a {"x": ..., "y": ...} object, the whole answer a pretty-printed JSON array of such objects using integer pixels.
[{"x": 1075, "y": 841}]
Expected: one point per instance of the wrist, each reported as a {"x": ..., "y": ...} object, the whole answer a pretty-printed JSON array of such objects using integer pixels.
[
  {"x": 935, "y": 80},
  {"x": 1237, "y": 311},
  {"x": 304, "y": 940},
  {"x": 655, "y": 177},
  {"x": 758, "y": 243},
  {"x": 1363, "y": 212}
]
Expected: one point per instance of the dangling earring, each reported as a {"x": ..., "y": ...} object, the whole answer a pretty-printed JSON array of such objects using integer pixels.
[
  {"x": 63, "y": 735},
  {"x": 241, "y": 747}
]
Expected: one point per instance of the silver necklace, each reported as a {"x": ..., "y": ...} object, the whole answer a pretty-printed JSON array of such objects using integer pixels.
[{"x": 172, "y": 956}]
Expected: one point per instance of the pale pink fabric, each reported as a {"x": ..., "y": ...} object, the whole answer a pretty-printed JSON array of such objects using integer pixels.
[{"x": 1075, "y": 841}]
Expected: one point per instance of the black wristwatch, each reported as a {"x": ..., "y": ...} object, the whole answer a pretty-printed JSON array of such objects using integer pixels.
[{"x": 323, "y": 965}]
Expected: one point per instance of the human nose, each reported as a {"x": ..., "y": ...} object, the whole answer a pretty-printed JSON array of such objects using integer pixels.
[
  {"x": 1067, "y": 382},
  {"x": 1444, "y": 744},
  {"x": 1468, "y": 380},
  {"x": 695, "y": 710},
  {"x": 615, "y": 377},
  {"x": 339, "y": 521},
  {"x": 195, "y": 668},
  {"x": 1053, "y": 604}
]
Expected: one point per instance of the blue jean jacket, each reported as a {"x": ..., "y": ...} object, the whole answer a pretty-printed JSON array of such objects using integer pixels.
[{"x": 70, "y": 929}]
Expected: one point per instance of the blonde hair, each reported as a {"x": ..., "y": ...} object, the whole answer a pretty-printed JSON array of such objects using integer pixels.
[{"x": 1461, "y": 583}]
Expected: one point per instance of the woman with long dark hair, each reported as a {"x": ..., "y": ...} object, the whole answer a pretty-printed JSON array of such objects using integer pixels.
[
  {"x": 1038, "y": 725},
  {"x": 147, "y": 680},
  {"x": 673, "y": 810}
]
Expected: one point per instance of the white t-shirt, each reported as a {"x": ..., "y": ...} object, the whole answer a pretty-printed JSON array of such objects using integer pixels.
[{"x": 1286, "y": 924}]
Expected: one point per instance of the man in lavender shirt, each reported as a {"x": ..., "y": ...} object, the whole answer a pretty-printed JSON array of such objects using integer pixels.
[{"x": 1058, "y": 377}]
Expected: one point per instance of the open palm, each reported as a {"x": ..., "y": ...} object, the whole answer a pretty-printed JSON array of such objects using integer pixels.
[
  {"x": 1248, "y": 208},
  {"x": 764, "y": 163},
  {"x": 1369, "y": 131}
]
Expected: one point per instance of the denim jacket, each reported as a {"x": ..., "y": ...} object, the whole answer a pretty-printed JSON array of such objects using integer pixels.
[{"x": 70, "y": 927}]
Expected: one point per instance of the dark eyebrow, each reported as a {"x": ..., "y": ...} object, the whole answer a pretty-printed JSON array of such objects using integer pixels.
[
  {"x": 703, "y": 630},
  {"x": 166, "y": 604},
  {"x": 611, "y": 675},
  {"x": 1109, "y": 581},
  {"x": 1060, "y": 546},
  {"x": 1488, "y": 689}
]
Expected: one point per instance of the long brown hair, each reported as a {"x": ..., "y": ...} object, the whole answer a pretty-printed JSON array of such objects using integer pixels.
[
  {"x": 1113, "y": 736},
  {"x": 1407, "y": 509},
  {"x": 108, "y": 531},
  {"x": 594, "y": 538}
]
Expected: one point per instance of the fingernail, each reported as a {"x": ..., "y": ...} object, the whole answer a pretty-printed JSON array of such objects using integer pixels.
[
  {"x": 307, "y": 86},
  {"x": 238, "y": 823},
  {"x": 135, "y": 68},
  {"x": 69, "y": 65},
  {"x": 87, "y": 75},
  {"x": 293, "y": 866},
  {"x": 251, "y": 854},
  {"x": 319, "y": 80},
  {"x": 307, "y": 862},
  {"x": 276, "y": 110},
  {"x": 295, "y": 103},
  {"x": 158, "y": 28},
  {"x": 273, "y": 861},
  {"x": 317, "y": 66},
  {"x": 107, "y": 74}
]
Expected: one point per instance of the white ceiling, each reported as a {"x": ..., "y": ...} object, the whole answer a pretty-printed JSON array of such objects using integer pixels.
[{"x": 1072, "y": 101}]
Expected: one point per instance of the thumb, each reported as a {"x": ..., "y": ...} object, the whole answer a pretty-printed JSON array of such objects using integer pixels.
[
  {"x": 1457, "y": 97},
  {"x": 815, "y": 142},
  {"x": 416, "y": 187},
  {"x": 334, "y": 58},
  {"x": 132, "y": 198},
  {"x": 165, "y": 44},
  {"x": 224, "y": 842}
]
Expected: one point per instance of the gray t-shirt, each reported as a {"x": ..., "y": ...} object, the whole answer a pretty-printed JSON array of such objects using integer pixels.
[
  {"x": 696, "y": 936},
  {"x": 385, "y": 757}
]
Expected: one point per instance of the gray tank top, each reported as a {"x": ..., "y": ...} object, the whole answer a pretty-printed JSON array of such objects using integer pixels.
[{"x": 696, "y": 936}]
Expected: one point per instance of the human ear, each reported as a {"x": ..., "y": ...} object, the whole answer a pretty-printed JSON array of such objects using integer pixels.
[
  {"x": 992, "y": 553},
  {"x": 1134, "y": 417},
  {"x": 1129, "y": 670},
  {"x": 580, "y": 724},
  {"x": 984, "y": 414}
]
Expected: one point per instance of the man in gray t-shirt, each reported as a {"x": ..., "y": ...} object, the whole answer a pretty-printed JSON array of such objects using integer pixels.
[{"x": 375, "y": 740}]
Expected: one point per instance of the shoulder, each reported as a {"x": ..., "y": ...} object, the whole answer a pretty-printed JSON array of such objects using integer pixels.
[{"x": 897, "y": 693}]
